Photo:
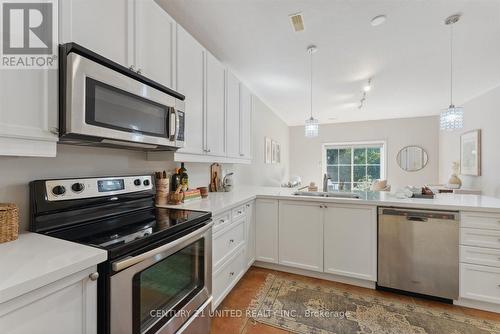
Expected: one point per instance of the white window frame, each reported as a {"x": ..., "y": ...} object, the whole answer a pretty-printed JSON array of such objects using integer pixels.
[{"x": 383, "y": 154}]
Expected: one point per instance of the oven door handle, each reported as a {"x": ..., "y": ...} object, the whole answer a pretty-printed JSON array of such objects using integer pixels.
[{"x": 131, "y": 260}]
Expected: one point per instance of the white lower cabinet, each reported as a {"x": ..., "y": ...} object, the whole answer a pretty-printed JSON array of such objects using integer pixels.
[
  {"x": 480, "y": 283},
  {"x": 339, "y": 239},
  {"x": 250, "y": 233},
  {"x": 480, "y": 260},
  {"x": 266, "y": 230},
  {"x": 233, "y": 248},
  {"x": 225, "y": 278},
  {"x": 350, "y": 241},
  {"x": 227, "y": 240},
  {"x": 65, "y": 306},
  {"x": 301, "y": 235}
]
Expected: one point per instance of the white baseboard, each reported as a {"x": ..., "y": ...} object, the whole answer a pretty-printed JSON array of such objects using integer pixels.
[
  {"x": 325, "y": 276},
  {"x": 485, "y": 306}
]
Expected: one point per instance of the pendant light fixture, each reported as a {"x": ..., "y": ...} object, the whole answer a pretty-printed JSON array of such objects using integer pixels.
[
  {"x": 453, "y": 117},
  {"x": 312, "y": 124}
]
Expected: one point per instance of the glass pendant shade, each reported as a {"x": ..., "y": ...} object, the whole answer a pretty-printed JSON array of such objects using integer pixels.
[
  {"x": 452, "y": 118},
  {"x": 311, "y": 128}
]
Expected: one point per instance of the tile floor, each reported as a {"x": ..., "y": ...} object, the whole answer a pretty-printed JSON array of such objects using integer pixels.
[{"x": 241, "y": 296}]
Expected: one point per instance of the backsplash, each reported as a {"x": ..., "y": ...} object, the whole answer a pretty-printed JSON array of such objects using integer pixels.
[{"x": 76, "y": 161}]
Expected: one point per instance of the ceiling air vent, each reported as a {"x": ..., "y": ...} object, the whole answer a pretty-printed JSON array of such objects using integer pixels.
[{"x": 297, "y": 21}]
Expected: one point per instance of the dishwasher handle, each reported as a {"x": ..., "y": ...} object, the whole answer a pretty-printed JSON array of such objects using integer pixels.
[
  {"x": 419, "y": 215},
  {"x": 417, "y": 219}
]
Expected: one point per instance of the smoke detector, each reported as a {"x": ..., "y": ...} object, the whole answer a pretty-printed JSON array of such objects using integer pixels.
[{"x": 297, "y": 21}]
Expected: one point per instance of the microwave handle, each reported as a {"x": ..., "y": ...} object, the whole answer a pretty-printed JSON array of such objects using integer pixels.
[{"x": 173, "y": 124}]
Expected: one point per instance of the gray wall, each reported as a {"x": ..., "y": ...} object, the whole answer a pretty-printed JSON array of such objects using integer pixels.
[
  {"x": 305, "y": 153},
  {"x": 482, "y": 113}
]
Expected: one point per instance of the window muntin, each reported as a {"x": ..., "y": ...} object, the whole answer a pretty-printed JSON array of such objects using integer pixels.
[{"x": 353, "y": 166}]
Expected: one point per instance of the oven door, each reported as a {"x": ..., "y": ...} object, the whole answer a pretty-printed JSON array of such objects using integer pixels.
[
  {"x": 103, "y": 103},
  {"x": 159, "y": 290}
]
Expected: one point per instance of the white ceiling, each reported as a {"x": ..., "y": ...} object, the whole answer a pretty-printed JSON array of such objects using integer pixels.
[{"x": 408, "y": 56}]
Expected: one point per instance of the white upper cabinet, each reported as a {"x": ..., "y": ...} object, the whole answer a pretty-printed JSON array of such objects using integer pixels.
[
  {"x": 215, "y": 106},
  {"x": 351, "y": 241},
  {"x": 301, "y": 235},
  {"x": 233, "y": 116},
  {"x": 190, "y": 72},
  {"x": 101, "y": 26},
  {"x": 28, "y": 112},
  {"x": 154, "y": 37},
  {"x": 246, "y": 109}
]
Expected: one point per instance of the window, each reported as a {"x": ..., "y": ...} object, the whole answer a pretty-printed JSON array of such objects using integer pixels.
[{"x": 353, "y": 166}]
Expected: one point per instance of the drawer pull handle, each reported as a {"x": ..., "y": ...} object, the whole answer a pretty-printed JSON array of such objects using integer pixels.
[
  {"x": 231, "y": 241},
  {"x": 231, "y": 273},
  {"x": 222, "y": 221},
  {"x": 248, "y": 205},
  {"x": 240, "y": 212}
]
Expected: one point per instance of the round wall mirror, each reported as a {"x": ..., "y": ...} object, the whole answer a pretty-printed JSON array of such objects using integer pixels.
[{"x": 412, "y": 158}]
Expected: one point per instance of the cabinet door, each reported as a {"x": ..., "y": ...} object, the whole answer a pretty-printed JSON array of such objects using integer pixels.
[
  {"x": 215, "y": 106},
  {"x": 266, "y": 230},
  {"x": 245, "y": 122},
  {"x": 66, "y": 306},
  {"x": 301, "y": 235},
  {"x": 351, "y": 241},
  {"x": 480, "y": 283},
  {"x": 28, "y": 112},
  {"x": 250, "y": 233},
  {"x": 101, "y": 26},
  {"x": 233, "y": 116},
  {"x": 190, "y": 68},
  {"x": 154, "y": 36}
]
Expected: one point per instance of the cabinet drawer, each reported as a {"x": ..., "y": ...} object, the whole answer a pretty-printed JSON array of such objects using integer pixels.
[
  {"x": 238, "y": 212},
  {"x": 484, "y": 220},
  {"x": 480, "y": 283},
  {"x": 480, "y": 238},
  {"x": 481, "y": 256},
  {"x": 227, "y": 241},
  {"x": 224, "y": 279},
  {"x": 221, "y": 221}
]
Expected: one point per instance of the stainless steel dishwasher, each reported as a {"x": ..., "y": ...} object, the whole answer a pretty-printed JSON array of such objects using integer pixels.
[{"x": 418, "y": 251}]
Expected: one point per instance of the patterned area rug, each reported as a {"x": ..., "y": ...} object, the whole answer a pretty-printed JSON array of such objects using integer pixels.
[{"x": 309, "y": 309}]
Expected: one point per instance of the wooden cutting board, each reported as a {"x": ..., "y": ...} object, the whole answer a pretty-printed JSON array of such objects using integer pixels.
[{"x": 215, "y": 177}]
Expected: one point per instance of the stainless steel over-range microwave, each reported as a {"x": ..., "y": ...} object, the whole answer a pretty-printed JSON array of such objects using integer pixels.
[{"x": 104, "y": 103}]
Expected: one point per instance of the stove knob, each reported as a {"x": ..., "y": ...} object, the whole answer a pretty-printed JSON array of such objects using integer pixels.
[
  {"x": 137, "y": 182},
  {"x": 77, "y": 187},
  {"x": 146, "y": 183},
  {"x": 58, "y": 190}
]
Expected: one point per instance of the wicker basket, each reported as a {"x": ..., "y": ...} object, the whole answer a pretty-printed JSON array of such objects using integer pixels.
[{"x": 9, "y": 222}]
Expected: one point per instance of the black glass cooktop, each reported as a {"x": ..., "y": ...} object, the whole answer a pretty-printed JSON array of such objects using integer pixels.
[{"x": 130, "y": 231}]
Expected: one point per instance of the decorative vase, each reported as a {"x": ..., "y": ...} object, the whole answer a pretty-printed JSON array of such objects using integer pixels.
[{"x": 454, "y": 182}]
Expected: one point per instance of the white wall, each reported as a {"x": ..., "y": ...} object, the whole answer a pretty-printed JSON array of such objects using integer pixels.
[
  {"x": 482, "y": 113},
  {"x": 305, "y": 153},
  {"x": 265, "y": 123}
]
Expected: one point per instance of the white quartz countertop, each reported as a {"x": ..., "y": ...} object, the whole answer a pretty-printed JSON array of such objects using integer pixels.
[
  {"x": 35, "y": 260},
  {"x": 220, "y": 202}
]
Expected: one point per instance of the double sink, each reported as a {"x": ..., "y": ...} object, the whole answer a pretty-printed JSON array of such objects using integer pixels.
[{"x": 326, "y": 194}]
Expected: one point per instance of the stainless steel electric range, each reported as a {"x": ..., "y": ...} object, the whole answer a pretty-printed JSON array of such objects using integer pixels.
[{"x": 157, "y": 278}]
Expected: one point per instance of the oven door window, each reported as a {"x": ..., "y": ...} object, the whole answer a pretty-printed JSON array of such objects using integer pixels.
[
  {"x": 113, "y": 108},
  {"x": 165, "y": 287}
]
